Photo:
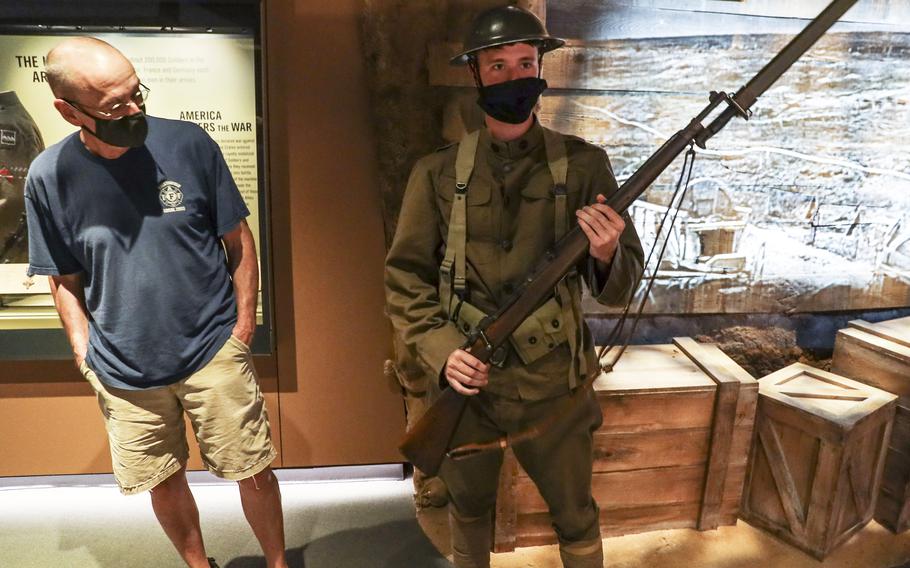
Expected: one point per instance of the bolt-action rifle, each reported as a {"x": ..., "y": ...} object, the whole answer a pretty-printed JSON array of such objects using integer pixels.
[{"x": 427, "y": 443}]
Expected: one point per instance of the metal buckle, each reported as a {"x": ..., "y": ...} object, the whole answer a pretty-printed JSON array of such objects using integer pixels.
[{"x": 499, "y": 356}]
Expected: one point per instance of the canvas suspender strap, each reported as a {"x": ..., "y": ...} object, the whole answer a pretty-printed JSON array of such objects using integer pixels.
[
  {"x": 558, "y": 162},
  {"x": 455, "y": 243},
  {"x": 452, "y": 269}
]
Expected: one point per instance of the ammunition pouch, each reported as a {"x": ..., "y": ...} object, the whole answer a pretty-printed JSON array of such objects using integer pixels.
[{"x": 541, "y": 332}]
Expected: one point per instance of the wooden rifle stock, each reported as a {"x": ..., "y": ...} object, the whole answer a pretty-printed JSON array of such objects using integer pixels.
[{"x": 426, "y": 443}]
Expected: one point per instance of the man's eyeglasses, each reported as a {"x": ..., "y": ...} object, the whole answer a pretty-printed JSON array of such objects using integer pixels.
[{"x": 119, "y": 109}]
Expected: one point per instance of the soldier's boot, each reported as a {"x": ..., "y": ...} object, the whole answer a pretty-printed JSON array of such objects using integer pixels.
[
  {"x": 471, "y": 540},
  {"x": 582, "y": 554},
  {"x": 429, "y": 491}
]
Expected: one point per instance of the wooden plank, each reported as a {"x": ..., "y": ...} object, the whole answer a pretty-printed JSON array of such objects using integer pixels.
[
  {"x": 880, "y": 11},
  {"x": 606, "y": 19},
  {"x": 649, "y": 368},
  {"x": 864, "y": 459},
  {"x": 728, "y": 378},
  {"x": 644, "y": 450},
  {"x": 900, "y": 433},
  {"x": 874, "y": 361},
  {"x": 896, "y": 330},
  {"x": 859, "y": 489},
  {"x": 879, "y": 465},
  {"x": 505, "y": 523},
  {"x": 736, "y": 484},
  {"x": 571, "y": 67},
  {"x": 713, "y": 362},
  {"x": 642, "y": 381},
  {"x": 536, "y": 529},
  {"x": 620, "y": 489},
  {"x": 896, "y": 474},
  {"x": 824, "y": 487},
  {"x": 656, "y": 411},
  {"x": 719, "y": 457},
  {"x": 777, "y": 461},
  {"x": 782, "y": 412},
  {"x": 745, "y": 424},
  {"x": 903, "y": 517},
  {"x": 890, "y": 513}
]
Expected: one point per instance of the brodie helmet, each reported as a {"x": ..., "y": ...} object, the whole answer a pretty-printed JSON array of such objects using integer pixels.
[{"x": 505, "y": 25}]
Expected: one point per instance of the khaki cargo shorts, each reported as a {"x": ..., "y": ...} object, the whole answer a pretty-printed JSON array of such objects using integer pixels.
[{"x": 224, "y": 405}]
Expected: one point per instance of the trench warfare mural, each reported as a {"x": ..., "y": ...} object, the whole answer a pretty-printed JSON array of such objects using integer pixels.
[{"x": 802, "y": 208}]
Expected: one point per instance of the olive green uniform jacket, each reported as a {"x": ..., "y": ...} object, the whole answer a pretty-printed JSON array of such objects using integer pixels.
[{"x": 510, "y": 225}]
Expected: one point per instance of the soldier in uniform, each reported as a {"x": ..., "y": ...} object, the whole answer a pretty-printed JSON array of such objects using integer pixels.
[{"x": 475, "y": 218}]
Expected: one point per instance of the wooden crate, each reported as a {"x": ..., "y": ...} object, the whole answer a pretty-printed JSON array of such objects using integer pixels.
[
  {"x": 671, "y": 453},
  {"x": 818, "y": 456},
  {"x": 879, "y": 355}
]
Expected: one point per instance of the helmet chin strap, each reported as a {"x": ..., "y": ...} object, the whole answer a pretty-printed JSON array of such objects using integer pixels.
[{"x": 475, "y": 71}]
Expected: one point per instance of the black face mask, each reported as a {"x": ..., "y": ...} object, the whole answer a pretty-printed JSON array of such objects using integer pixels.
[
  {"x": 511, "y": 101},
  {"x": 127, "y": 132}
]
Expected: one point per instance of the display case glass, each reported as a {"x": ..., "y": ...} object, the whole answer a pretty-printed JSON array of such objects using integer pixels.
[{"x": 201, "y": 62}]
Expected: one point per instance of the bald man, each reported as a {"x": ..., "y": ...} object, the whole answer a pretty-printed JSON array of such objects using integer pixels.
[{"x": 141, "y": 229}]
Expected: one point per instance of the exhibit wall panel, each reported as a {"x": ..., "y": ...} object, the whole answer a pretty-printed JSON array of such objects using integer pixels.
[{"x": 331, "y": 332}]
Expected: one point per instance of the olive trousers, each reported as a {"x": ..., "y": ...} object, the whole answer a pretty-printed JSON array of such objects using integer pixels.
[{"x": 559, "y": 462}]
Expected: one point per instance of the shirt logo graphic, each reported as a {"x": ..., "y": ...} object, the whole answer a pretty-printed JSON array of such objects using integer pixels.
[
  {"x": 8, "y": 137},
  {"x": 171, "y": 196}
]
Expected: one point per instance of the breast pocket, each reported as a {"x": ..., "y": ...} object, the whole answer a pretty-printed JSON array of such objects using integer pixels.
[{"x": 481, "y": 235}]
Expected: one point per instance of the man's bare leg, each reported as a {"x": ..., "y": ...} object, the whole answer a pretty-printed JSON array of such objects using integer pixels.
[
  {"x": 177, "y": 514},
  {"x": 261, "y": 500}
]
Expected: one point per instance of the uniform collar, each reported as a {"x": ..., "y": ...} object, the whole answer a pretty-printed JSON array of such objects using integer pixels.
[
  {"x": 8, "y": 99},
  {"x": 518, "y": 148}
]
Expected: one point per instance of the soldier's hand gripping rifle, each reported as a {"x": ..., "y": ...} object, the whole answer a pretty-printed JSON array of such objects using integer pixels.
[{"x": 427, "y": 443}]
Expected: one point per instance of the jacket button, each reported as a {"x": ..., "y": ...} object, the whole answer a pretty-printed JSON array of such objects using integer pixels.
[
  {"x": 506, "y": 245},
  {"x": 532, "y": 340},
  {"x": 555, "y": 323},
  {"x": 507, "y": 168}
]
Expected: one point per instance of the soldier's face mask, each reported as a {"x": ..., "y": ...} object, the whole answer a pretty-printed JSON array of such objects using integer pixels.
[{"x": 511, "y": 101}]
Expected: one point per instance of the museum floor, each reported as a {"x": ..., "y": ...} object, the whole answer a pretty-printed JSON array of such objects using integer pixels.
[{"x": 336, "y": 521}]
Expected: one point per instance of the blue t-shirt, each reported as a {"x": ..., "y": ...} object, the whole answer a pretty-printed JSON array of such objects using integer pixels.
[{"x": 144, "y": 229}]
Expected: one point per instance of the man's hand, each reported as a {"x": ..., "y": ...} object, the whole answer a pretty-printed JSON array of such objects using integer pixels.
[
  {"x": 465, "y": 373},
  {"x": 602, "y": 226},
  {"x": 243, "y": 333},
  {"x": 80, "y": 355}
]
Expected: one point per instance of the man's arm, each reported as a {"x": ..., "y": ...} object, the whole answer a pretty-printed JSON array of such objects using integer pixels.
[
  {"x": 69, "y": 297},
  {"x": 241, "y": 256}
]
